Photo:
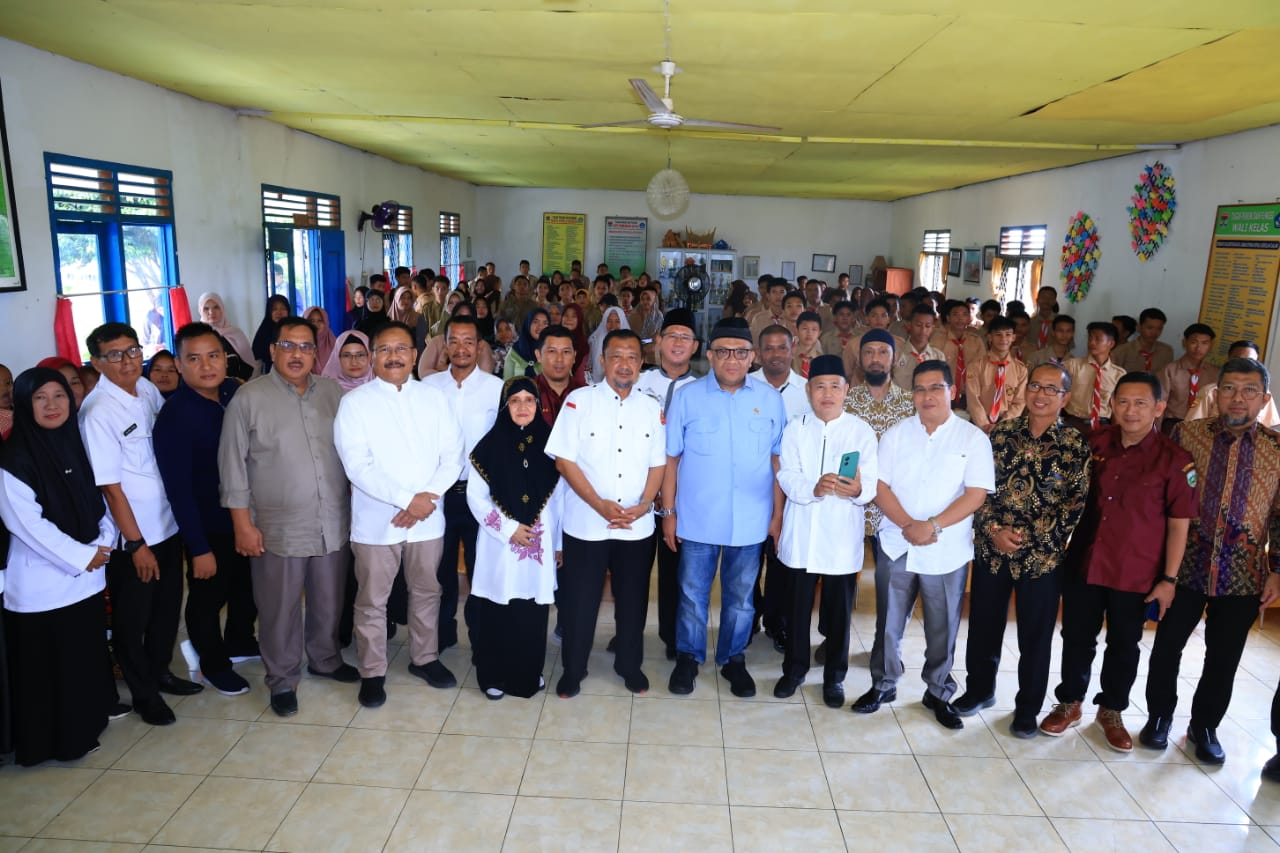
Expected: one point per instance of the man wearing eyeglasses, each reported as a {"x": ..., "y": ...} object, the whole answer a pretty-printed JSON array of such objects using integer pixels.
[
  {"x": 724, "y": 435},
  {"x": 144, "y": 573},
  {"x": 290, "y": 508},
  {"x": 1020, "y": 534}
]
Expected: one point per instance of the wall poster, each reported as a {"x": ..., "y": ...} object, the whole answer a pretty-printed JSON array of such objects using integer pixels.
[
  {"x": 626, "y": 243},
  {"x": 12, "y": 278},
  {"x": 564, "y": 240},
  {"x": 1242, "y": 275}
]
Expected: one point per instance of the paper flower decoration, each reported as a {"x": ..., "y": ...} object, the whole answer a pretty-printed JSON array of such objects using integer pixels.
[
  {"x": 1154, "y": 202},
  {"x": 1080, "y": 254}
]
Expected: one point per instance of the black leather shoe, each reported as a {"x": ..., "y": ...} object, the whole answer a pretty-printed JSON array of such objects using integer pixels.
[
  {"x": 434, "y": 673},
  {"x": 1023, "y": 728},
  {"x": 285, "y": 703},
  {"x": 1155, "y": 734},
  {"x": 968, "y": 704},
  {"x": 1208, "y": 749},
  {"x": 372, "y": 692},
  {"x": 155, "y": 712},
  {"x": 174, "y": 686},
  {"x": 833, "y": 695},
  {"x": 870, "y": 702},
  {"x": 943, "y": 712},
  {"x": 786, "y": 687},
  {"x": 567, "y": 688},
  {"x": 741, "y": 684},
  {"x": 684, "y": 676},
  {"x": 346, "y": 673},
  {"x": 1271, "y": 770},
  {"x": 636, "y": 682}
]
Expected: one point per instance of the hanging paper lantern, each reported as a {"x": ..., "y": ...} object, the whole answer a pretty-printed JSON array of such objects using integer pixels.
[
  {"x": 1081, "y": 251},
  {"x": 1154, "y": 202}
]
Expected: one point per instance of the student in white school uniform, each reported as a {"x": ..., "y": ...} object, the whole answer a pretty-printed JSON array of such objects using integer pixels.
[
  {"x": 396, "y": 489},
  {"x": 820, "y": 505}
]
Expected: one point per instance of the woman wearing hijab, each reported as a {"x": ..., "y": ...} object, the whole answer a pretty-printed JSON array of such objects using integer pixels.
[
  {"x": 515, "y": 494},
  {"x": 375, "y": 312},
  {"x": 350, "y": 364},
  {"x": 613, "y": 319},
  {"x": 214, "y": 312},
  {"x": 69, "y": 372},
  {"x": 162, "y": 372},
  {"x": 452, "y": 301},
  {"x": 575, "y": 320},
  {"x": 401, "y": 309},
  {"x": 522, "y": 359},
  {"x": 319, "y": 320},
  {"x": 356, "y": 314},
  {"x": 55, "y": 620},
  {"x": 484, "y": 320},
  {"x": 277, "y": 309}
]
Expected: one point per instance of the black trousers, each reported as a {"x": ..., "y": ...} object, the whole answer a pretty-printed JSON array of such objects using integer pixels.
[
  {"x": 144, "y": 617},
  {"x": 772, "y": 595},
  {"x": 668, "y": 592},
  {"x": 510, "y": 644},
  {"x": 231, "y": 586},
  {"x": 835, "y": 607},
  {"x": 460, "y": 528},
  {"x": 1036, "y": 611},
  {"x": 1227, "y": 620},
  {"x": 1083, "y": 608},
  {"x": 581, "y": 587}
]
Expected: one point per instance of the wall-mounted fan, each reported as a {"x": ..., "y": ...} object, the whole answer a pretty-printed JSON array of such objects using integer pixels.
[
  {"x": 380, "y": 215},
  {"x": 690, "y": 285}
]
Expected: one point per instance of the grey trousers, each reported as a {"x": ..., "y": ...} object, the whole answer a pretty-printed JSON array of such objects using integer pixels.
[
  {"x": 376, "y": 568},
  {"x": 896, "y": 592},
  {"x": 278, "y": 586}
]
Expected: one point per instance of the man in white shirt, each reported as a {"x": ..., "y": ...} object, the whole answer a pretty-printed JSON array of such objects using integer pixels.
[
  {"x": 609, "y": 445},
  {"x": 936, "y": 470},
  {"x": 144, "y": 574},
  {"x": 474, "y": 396},
  {"x": 395, "y": 494}
]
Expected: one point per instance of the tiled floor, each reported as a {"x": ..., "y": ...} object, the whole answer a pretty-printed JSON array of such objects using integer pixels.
[{"x": 448, "y": 770}]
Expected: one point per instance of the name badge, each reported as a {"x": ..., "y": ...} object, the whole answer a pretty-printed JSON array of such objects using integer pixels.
[{"x": 131, "y": 428}]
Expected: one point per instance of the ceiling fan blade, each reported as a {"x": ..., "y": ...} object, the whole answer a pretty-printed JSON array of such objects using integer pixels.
[
  {"x": 636, "y": 123},
  {"x": 728, "y": 125},
  {"x": 650, "y": 97}
]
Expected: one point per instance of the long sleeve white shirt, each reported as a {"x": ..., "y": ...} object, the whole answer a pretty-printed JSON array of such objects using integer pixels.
[
  {"x": 475, "y": 403},
  {"x": 823, "y": 535},
  {"x": 395, "y": 443}
]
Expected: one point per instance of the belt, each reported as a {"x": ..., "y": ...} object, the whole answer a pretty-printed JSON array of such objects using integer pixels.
[{"x": 460, "y": 486}]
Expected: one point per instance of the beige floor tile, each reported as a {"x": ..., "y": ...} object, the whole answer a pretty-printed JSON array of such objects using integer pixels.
[
  {"x": 844, "y": 731},
  {"x": 1242, "y": 782},
  {"x": 876, "y": 832},
  {"x": 1071, "y": 746},
  {"x": 977, "y": 785},
  {"x": 683, "y": 828},
  {"x": 989, "y": 833},
  {"x": 449, "y": 820},
  {"x": 1172, "y": 792},
  {"x": 473, "y": 764},
  {"x": 762, "y": 829},
  {"x": 473, "y": 714},
  {"x": 273, "y": 751},
  {"x": 567, "y": 769},
  {"x": 370, "y": 757},
  {"x": 1080, "y": 789},
  {"x": 123, "y": 805},
  {"x": 882, "y": 783},
  {"x": 191, "y": 745},
  {"x": 165, "y": 848},
  {"x": 118, "y": 738},
  {"x": 213, "y": 705},
  {"x": 340, "y": 817},
  {"x": 231, "y": 813},
  {"x": 31, "y": 797},
  {"x": 1198, "y": 837},
  {"x": 12, "y": 843},
  {"x": 555, "y": 825},
  {"x": 60, "y": 845},
  {"x": 321, "y": 702},
  {"x": 1087, "y": 835},
  {"x": 676, "y": 774},
  {"x": 756, "y": 725},
  {"x": 926, "y": 737},
  {"x": 1094, "y": 738},
  {"x": 601, "y": 680},
  {"x": 411, "y": 707},
  {"x": 675, "y": 723},
  {"x": 586, "y": 717},
  {"x": 759, "y": 777}
]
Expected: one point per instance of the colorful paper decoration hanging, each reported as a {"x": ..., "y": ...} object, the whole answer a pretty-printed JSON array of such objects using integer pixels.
[
  {"x": 1081, "y": 251},
  {"x": 1154, "y": 202}
]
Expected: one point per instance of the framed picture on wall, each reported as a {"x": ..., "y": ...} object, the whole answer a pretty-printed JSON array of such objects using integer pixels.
[
  {"x": 855, "y": 274},
  {"x": 789, "y": 270},
  {"x": 973, "y": 265},
  {"x": 12, "y": 277},
  {"x": 954, "y": 259},
  {"x": 750, "y": 266},
  {"x": 823, "y": 263},
  {"x": 988, "y": 257}
]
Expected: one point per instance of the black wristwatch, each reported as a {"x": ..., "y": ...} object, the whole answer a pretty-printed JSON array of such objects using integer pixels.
[
  {"x": 132, "y": 546},
  {"x": 1167, "y": 579}
]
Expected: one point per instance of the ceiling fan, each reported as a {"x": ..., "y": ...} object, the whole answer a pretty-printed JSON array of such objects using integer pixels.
[{"x": 662, "y": 112}]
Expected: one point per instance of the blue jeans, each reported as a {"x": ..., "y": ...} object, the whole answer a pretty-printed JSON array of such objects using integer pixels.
[{"x": 738, "y": 569}]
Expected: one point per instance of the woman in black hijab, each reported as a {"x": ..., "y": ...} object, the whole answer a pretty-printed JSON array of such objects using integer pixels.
[
  {"x": 55, "y": 611},
  {"x": 515, "y": 494},
  {"x": 375, "y": 312},
  {"x": 277, "y": 309}
]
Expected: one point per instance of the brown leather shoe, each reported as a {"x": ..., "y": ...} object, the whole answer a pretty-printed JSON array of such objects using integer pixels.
[
  {"x": 1113, "y": 727},
  {"x": 1063, "y": 716}
]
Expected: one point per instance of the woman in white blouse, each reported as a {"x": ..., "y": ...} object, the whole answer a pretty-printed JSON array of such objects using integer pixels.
[
  {"x": 55, "y": 621},
  {"x": 515, "y": 493}
]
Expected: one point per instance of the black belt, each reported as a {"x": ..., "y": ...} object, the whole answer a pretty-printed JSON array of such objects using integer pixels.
[{"x": 460, "y": 486}]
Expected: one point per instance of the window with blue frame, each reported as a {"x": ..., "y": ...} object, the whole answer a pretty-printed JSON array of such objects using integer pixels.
[
  {"x": 451, "y": 245},
  {"x": 305, "y": 251},
  {"x": 397, "y": 241},
  {"x": 114, "y": 248}
]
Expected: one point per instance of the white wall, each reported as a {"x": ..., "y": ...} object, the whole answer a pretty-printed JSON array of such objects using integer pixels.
[
  {"x": 776, "y": 229},
  {"x": 1225, "y": 170},
  {"x": 219, "y": 161}
]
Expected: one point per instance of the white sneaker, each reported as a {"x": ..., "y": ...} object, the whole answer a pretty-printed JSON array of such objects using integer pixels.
[{"x": 192, "y": 659}]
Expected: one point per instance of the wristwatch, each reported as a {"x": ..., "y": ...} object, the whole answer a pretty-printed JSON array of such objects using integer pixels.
[
  {"x": 1167, "y": 579},
  {"x": 132, "y": 546},
  {"x": 663, "y": 513},
  {"x": 937, "y": 528}
]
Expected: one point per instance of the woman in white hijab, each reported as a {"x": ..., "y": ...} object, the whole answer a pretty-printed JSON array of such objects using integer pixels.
[
  {"x": 613, "y": 318},
  {"x": 214, "y": 312}
]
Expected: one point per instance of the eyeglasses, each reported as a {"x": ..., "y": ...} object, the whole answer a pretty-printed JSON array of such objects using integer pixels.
[
  {"x": 930, "y": 389},
  {"x": 1248, "y": 392},
  {"x": 354, "y": 356},
  {"x": 1036, "y": 388},
  {"x": 290, "y": 346},
  {"x": 679, "y": 337},
  {"x": 118, "y": 355},
  {"x": 398, "y": 349},
  {"x": 735, "y": 354}
]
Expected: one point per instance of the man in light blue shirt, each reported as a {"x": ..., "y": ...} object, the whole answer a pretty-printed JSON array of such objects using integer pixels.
[{"x": 723, "y": 439}]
